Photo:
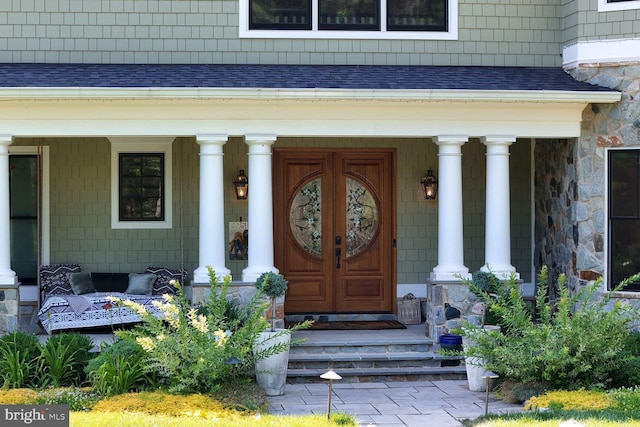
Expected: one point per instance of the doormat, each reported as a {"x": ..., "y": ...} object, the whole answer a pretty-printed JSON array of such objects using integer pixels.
[{"x": 352, "y": 325}]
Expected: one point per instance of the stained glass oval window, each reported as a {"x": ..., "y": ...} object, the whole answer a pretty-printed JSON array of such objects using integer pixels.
[
  {"x": 305, "y": 217},
  {"x": 362, "y": 217}
]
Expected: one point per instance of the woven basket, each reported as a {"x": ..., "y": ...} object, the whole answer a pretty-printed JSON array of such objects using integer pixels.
[{"x": 409, "y": 311}]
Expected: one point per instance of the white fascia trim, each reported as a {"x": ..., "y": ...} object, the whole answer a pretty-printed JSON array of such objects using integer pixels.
[
  {"x": 601, "y": 51},
  {"x": 604, "y": 6},
  {"x": 318, "y": 94}
]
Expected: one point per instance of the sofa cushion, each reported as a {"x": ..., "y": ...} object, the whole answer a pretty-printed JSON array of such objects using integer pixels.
[
  {"x": 81, "y": 282},
  {"x": 164, "y": 275},
  {"x": 140, "y": 283},
  {"x": 53, "y": 278},
  {"x": 110, "y": 282}
]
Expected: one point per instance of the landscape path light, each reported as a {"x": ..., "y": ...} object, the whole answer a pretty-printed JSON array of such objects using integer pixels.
[{"x": 330, "y": 375}]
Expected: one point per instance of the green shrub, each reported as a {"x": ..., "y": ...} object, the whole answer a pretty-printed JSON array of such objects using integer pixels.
[
  {"x": 190, "y": 350},
  {"x": 486, "y": 286},
  {"x": 20, "y": 360},
  {"x": 628, "y": 373},
  {"x": 64, "y": 358},
  {"x": 571, "y": 343},
  {"x": 119, "y": 368}
]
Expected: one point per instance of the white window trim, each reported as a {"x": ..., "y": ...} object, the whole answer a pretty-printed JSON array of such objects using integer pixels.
[
  {"x": 314, "y": 33},
  {"x": 141, "y": 145},
  {"x": 603, "y": 6}
]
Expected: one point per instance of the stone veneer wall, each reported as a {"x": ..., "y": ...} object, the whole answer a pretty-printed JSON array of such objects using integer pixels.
[
  {"x": 603, "y": 125},
  {"x": 555, "y": 193},
  {"x": 456, "y": 295},
  {"x": 9, "y": 308}
]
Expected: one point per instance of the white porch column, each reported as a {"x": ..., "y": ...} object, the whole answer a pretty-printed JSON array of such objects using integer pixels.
[
  {"x": 7, "y": 275},
  {"x": 450, "y": 223},
  {"x": 260, "y": 198},
  {"x": 497, "y": 244},
  {"x": 212, "y": 242}
]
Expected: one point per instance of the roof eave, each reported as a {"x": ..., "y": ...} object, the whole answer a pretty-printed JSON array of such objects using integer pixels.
[{"x": 150, "y": 93}]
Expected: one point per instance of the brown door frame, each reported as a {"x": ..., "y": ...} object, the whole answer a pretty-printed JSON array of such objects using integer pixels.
[{"x": 283, "y": 194}]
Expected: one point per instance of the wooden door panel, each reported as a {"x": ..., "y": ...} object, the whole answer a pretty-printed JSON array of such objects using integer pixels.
[
  {"x": 308, "y": 274},
  {"x": 361, "y": 286},
  {"x": 364, "y": 279}
]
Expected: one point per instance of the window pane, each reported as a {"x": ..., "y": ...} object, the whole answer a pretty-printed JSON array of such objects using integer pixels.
[
  {"x": 417, "y": 15},
  {"x": 349, "y": 15},
  {"x": 141, "y": 187},
  {"x": 305, "y": 217},
  {"x": 623, "y": 183},
  {"x": 280, "y": 14},
  {"x": 625, "y": 251}
]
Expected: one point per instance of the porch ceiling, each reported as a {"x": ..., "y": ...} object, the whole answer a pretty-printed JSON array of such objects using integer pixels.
[{"x": 184, "y": 100}]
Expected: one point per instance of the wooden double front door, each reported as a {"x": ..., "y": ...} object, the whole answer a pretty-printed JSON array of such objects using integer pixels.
[{"x": 334, "y": 219}]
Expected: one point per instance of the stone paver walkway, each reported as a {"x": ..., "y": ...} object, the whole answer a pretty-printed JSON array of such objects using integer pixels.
[{"x": 391, "y": 404}]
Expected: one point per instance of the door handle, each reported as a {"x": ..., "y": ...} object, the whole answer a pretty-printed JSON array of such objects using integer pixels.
[{"x": 338, "y": 254}]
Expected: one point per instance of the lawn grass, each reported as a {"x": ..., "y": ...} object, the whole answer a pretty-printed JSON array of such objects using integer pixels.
[
  {"x": 101, "y": 419},
  {"x": 604, "y": 418}
]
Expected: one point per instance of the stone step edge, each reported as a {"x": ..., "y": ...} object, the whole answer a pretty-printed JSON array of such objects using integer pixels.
[
  {"x": 350, "y": 372},
  {"x": 369, "y": 342},
  {"x": 355, "y": 357}
]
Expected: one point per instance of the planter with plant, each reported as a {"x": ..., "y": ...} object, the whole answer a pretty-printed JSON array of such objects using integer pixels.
[{"x": 271, "y": 371}]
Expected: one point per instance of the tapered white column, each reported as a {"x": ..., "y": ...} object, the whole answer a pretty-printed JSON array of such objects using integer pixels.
[
  {"x": 260, "y": 199},
  {"x": 212, "y": 242},
  {"x": 497, "y": 238},
  {"x": 7, "y": 275},
  {"x": 450, "y": 223}
]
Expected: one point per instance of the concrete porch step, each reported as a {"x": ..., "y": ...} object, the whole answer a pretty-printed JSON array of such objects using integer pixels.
[
  {"x": 352, "y": 375},
  {"x": 361, "y": 356}
]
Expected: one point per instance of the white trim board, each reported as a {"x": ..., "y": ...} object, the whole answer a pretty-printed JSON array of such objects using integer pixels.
[{"x": 601, "y": 51}]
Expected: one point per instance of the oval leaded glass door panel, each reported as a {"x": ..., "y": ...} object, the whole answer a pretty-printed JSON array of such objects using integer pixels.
[
  {"x": 362, "y": 217},
  {"x": 305, "y": 217}
]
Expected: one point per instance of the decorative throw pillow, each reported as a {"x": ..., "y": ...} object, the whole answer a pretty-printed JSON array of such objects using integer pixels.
[
  {"x": 165, "y": 276},
  {"x": 54, "y": 280},
  {"x": 140, "y": 284},
  {"x": 81, "y": 283}
]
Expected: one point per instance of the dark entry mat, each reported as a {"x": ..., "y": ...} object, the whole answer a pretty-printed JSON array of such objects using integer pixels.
[{"x": 352, "y": 325}]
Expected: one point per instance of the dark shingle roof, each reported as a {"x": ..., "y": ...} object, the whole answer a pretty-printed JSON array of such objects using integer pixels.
[{"x": 290, "y": 77}]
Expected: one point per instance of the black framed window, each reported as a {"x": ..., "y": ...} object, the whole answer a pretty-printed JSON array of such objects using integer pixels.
[
  {"x": 280, "y": 14},
  {"x": 352, "y": 15},
  {"x": 619, "y": 1},
  {"x": 349, "y": 15},
  {"x": 624, "y": 216},
  {"x": 417, "y": 15},
  {"x": 141, "y": 186}
]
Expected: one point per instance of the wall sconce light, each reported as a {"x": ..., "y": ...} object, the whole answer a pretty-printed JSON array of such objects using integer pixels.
[
  {"x": 241, "y": 184},
  {"x": 430, "y": 185}
]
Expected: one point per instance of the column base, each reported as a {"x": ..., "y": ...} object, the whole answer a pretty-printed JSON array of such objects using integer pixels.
[
  {"x": 449, "y": 274},
  {"x": 201, "y": 274},
  {"x": 502, "y": 272},
  {"x": 251, "y": 274}
]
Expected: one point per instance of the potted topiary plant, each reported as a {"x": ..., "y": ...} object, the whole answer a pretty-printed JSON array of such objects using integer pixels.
[
  {"x": 273, "y": 285},
  {"x": 272, "y": 347}
]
